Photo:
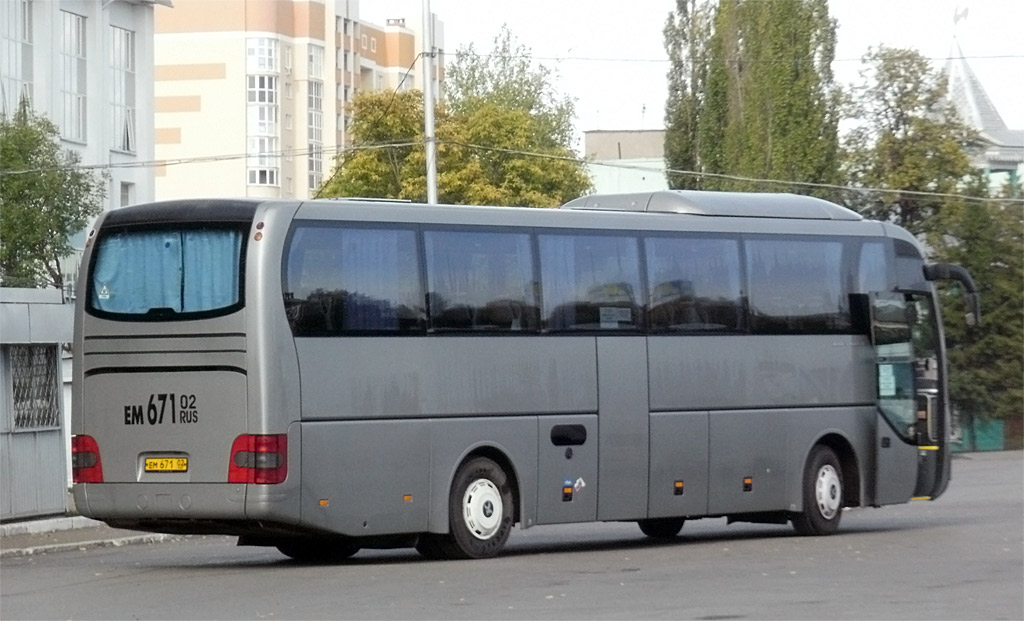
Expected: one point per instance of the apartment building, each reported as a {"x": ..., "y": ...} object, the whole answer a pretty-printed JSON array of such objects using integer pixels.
[
  {"x": 253, "y": 96},
  {"x": 87, "y": 66}
]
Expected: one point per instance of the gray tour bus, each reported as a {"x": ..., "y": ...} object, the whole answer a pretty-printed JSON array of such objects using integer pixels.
[{"x": 329, "y": 375}]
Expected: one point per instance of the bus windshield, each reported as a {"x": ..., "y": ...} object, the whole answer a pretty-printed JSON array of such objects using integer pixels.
[{"x": 167, "y": 273}]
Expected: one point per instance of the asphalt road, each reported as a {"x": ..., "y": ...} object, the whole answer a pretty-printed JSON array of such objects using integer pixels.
[{"x": 961, "y": 557}]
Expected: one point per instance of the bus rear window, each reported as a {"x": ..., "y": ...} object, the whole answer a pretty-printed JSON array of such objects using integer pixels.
[{"x": 166, "y": 273}]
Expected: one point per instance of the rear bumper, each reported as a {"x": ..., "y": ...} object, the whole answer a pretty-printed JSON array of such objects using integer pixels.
[
  {"x": 191, "y": 509},
  {"x": 141, "y": 501}
]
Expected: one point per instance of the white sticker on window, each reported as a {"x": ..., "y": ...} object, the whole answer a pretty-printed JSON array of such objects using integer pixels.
[
  {"x": 886, "y": 381},
  {"x": 611, "y": 316}
]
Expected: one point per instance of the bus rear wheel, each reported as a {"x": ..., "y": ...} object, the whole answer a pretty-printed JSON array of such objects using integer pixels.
[
  {"x": 318, "y": 550},
  {"x": 481, "y": 512},
  {"x": 661, "y": 528},
  {"x": 823, "y": 494}
]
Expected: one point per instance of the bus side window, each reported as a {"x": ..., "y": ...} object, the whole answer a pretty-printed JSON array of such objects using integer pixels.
[
  {"x": 349, "y": 279},
  {"x": 480, "y": 280},
  {"x": 797, "y": 286},
  {"x": 591, "y": 282},
  {"x": 694, "y": 284}
]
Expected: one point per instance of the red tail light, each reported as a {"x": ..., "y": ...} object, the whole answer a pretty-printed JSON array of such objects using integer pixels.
[
  {"x": 86, "y": 466},
  {"x": 259, "y": 459}
]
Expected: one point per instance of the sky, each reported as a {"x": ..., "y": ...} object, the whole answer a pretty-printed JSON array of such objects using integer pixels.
[{"x": 609, "y": 55}]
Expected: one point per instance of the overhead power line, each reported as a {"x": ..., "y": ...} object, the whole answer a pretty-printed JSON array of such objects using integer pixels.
[
  {"x": 618, "y": 59},
  {"x": 548, "y": 156}
]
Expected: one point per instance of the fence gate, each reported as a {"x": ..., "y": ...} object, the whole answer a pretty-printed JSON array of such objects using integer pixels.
[{"x": 33, "y": 427}]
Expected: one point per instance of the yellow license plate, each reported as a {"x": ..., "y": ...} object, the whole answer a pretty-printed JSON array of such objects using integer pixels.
[{"x": 166, "y": 464}]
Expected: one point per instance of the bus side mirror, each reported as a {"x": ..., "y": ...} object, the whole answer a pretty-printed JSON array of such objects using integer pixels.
[
  {"x": 974, "y": 312},
  {"x": 948, "y": 271}
]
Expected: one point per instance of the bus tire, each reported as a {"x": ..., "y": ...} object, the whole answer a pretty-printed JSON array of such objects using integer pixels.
[
  {"x": 481, "y": 511},
  {"x": 661, "y": 528},
  {"x": 432, "y": 546},
  {"x": 823, "y": 494},
  {"x": 318, "y": 550}
]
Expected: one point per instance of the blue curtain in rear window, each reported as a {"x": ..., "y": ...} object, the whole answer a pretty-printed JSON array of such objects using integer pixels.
[{"x": 187, "y": 271}]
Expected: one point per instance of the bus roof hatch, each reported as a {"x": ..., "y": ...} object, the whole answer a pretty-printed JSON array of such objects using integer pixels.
[{"x": 720, "y": 204}]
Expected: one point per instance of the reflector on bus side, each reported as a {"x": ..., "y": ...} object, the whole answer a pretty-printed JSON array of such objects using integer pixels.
[
  {"x": 259, "y": 459},
  {"x": 86, "y": 466}
]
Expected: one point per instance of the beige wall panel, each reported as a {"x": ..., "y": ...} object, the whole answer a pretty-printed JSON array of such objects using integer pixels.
[
  {"x": 160, "y": 170},
  {"x": 205, "y": 71},
  {"x": 270, "y": 16},
  {"x": 310, "y": 21},
  {"x": 399, "y": 50},
  {"x": 201, "y": 16},
  {"x": 168, "y": 135},
  {"x": 178, "y": 103}
]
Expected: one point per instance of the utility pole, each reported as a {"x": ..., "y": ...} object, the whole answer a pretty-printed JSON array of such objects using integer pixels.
[{"x": 428, "y": 103}]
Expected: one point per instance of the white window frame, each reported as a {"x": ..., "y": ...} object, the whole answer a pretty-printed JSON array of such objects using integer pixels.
[
  {"x": 315, "y": 127},
  {"x": 122, "y": 62},
  {"x": 261, "y": 55},
  {"x": 316, "y": 62},
  {"x": 74, "y": 77},
  {"x": 16, "y": 67}
]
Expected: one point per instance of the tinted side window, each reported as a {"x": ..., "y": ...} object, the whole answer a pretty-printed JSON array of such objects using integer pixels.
[
  {"x": 341, "y": 279},
  {"x": 797, "y": 286},
  {"x": 694, "y": 284},
  {"x": 871, "y": 272},
  {"x": 480, "y": 280},
  {"x": 591, "y": 282}
]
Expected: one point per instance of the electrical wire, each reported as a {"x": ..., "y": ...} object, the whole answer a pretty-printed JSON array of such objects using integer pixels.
[{"x": 566, "y": 158}]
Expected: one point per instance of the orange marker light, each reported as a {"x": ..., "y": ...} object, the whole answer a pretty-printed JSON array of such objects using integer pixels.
[
  {"x": 324, "y": 502},
  {"x": 407, "y": 498}
]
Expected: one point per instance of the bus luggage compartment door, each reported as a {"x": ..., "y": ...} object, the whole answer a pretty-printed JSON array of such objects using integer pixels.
[{"x": 567, "y": 469}]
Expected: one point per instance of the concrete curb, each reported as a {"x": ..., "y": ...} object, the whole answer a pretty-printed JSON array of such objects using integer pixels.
[
  {"x": 36, "y": 527},
  {"x": 83, "y": 545}
]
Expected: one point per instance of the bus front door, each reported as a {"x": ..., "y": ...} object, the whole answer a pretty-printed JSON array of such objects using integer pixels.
[{"x": 913, "y": 454}]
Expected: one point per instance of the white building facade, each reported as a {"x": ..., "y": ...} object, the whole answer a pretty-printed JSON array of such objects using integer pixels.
[{"x": 87, "y": 65}]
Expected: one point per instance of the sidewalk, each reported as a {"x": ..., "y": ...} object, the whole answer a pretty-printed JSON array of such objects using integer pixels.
[{"x": 60, "y": 534}]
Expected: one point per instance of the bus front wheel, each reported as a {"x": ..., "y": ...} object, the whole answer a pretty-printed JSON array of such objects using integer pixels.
[
  {"x": 823, "y": 494},
  {"x": 481, "y": 511}
]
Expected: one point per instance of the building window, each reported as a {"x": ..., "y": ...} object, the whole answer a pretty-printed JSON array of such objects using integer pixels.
[
  {"x": 34, "y": 373},
  {"x": 15, "y": 55},
  {"x": 316, "y": 134},
  {"x": 73, "y": 77},
  {"x": 373, "y": 44},
  {"x": 261, "y": 55},
  {"x": 363, "y": 41},
  {"x": 262, "y": 130},
  {"x": 122, "y": 62},
  {"x": 316, "y": 62},
  {"x": 127, "y": 194},
  {"x": 262, "y": 89},
  {"x": 262, "y": 120},
  {"x": 263, "y": 160}
]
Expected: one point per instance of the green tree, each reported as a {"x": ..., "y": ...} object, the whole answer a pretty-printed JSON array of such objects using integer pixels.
[
  {"x": 751, "y": 93},
  {"x": 988, "y": 359},
  {"x": 908, "y": 138},
  {"x": 910, "y": 141},
  {"x": 506, "y": 77},
  {"x": 44, "y": 198},
  {"x": 503, "y": 138}
]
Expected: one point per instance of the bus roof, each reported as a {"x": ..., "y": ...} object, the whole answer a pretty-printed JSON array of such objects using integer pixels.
[{"x": 722, "y": 204}]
